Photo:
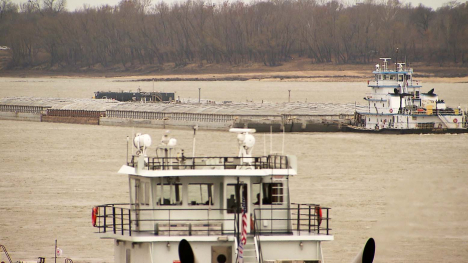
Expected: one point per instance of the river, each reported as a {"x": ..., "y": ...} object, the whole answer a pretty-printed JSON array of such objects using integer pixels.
[{"x": 408, "y": 192}]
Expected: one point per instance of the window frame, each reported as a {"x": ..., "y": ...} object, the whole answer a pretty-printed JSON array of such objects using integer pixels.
[{"x": 210, "y": 194}]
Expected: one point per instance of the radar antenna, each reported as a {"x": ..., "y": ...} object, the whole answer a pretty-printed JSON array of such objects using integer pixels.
[
  {"x": 246, "y": 143},
  {"x": 385, "y": 63},
  {"x": 141, "y": 142}
]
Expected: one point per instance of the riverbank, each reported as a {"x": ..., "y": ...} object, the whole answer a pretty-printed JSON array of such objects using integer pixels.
[{"x": 298, "y": 69}]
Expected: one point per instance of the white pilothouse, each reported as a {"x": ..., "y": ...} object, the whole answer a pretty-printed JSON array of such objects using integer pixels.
[
  {"x": 396, "y": 104},
  {"x": 215, "y": 203}
]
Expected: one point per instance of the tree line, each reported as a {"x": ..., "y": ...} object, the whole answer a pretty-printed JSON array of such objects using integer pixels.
[{"x": 272, "y": 32}]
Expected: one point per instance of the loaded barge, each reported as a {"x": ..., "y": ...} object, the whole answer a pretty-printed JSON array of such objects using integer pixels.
[{"x": 264, "y": 117}]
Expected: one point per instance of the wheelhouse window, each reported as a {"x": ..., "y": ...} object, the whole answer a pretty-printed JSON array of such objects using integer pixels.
[
  {"x": 272, "y": 194},
  {"x": 144, "y": 192},
  {"x": 170, "y": 194},
  {"x": 200, "y": 194},
  {"x": 140, "y": 191},
  {"x": 234, "y": 193}
]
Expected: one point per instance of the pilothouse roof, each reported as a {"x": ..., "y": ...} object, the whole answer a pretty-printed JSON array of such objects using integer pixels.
[{"x": 171, "y": 161}]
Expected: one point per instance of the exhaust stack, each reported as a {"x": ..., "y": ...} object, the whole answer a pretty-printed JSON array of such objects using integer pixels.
[{"x": 367, "y": 254}]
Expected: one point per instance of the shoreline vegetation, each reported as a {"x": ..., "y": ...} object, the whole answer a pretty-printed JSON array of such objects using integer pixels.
[{"x": 284, "y": 40}]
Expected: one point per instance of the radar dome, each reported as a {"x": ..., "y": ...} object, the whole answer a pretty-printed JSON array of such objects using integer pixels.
[{"x": 142, "y": 141}]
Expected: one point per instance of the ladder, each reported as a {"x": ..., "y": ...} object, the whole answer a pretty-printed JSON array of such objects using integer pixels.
[
  {"x": 443, "y": 119},
  {"x": 250, "y": 251},
  {"x": 6, "y": 252}
]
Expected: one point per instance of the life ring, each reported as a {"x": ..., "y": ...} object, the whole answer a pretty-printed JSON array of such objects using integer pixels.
[
  {"x": 318, "y": 213},
  {"x": 455, "y": 120},
  {"x": 391, "y": 110},
  {"x": 94, "y": 214}
]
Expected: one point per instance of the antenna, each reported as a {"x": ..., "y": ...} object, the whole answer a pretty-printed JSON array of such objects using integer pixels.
[
  {"x": 396, "y": 60},
  {"x": 282, "y": 149},
  {"x": 127, "y": 148},
  {"x": 385, "y": 63},
  {"x": 271, "y": 139},
  {"x": 195, "y": 128},
  {"x": 133, "y": 135}
]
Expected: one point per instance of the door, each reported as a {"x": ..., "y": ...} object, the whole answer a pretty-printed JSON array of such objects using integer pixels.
[{"x": 236, "y": 201}]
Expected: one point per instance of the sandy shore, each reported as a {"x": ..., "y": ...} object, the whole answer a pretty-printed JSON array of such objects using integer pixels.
[
  {"x": 297, "y": 76},
  {"x": 297, "y": 70}
]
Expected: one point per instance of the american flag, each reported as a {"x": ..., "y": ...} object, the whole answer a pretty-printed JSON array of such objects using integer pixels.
[{"x": 244, "y": 231}]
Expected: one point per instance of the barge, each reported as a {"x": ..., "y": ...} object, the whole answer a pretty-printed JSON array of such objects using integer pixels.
[{"x": 139, "y": 96}]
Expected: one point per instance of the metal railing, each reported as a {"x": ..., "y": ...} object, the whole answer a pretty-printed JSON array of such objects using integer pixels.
[
  {"x": 6, "y": 253},
  {"x": 119, "y": 220},
  {"x": 422, "y": 111},
  {"x": 304, "y": 219},
  {"x": 300, "y": 218},
  {"x": 258, "y": 245},
  {"x": 192, "y": 163}
]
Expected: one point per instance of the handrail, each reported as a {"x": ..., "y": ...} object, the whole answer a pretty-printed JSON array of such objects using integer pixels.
[
  {"x": 6, "y": 253},
  {"x": 258, "y": 246},
  {"x": 119, "y": 220},
  {"x": 220, "y": 162},
  {"x": 304, "y": 219},
  {"x": 423, "y": 111},
  {"x": 236, "y": 248}
]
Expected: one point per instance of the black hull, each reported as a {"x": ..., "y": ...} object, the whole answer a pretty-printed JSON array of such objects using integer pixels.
[
  {"x": 310, "y": 127},
  {"x": 406, "y": 131}
]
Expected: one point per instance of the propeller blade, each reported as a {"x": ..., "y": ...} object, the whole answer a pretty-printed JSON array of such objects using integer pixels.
[
  {"x": 185, "y": 252},
  {"x": 367, "y": 254}
]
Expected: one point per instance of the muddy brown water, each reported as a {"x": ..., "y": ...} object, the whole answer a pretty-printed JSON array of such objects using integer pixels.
[{"x": 408, "y": 192}]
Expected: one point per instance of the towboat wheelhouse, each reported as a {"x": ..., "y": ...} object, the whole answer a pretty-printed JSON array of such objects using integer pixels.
[
  {"x": 215, "y": 203},
  {"x": 396, "y": 102}
]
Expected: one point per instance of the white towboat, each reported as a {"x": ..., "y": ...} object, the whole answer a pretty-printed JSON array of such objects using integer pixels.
[
  {"x": 396, "y": 105},
  {"x": 228, "y": 208}
]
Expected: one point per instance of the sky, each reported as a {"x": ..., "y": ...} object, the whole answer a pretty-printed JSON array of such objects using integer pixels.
[{"x": 74, "y": 4}]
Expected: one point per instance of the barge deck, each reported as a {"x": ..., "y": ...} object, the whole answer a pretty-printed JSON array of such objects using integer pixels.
[{"x": 264, "y": 117}]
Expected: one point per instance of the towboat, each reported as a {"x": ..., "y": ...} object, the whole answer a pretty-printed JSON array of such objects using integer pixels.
[
  {"x": 397, "y": 105},
  {"x": 223, "y": 208}
]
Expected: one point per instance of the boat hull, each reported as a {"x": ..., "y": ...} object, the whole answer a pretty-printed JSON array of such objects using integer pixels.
[{"x": 405, "y": 131}]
